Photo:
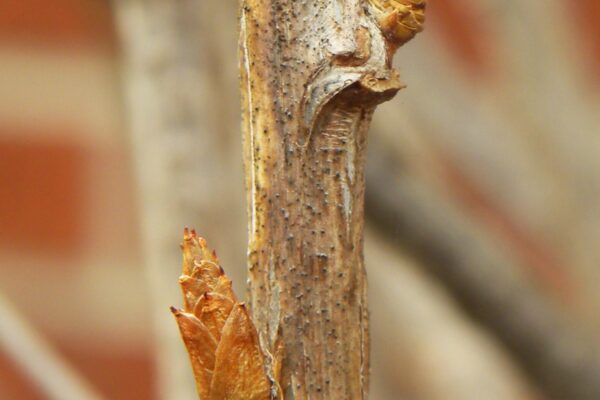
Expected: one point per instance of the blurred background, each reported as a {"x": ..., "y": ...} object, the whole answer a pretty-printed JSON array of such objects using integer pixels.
[{"x": 119, "y": 124}]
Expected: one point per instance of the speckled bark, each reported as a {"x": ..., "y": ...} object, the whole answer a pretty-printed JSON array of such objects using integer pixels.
[{"x": 312, "y": 74}]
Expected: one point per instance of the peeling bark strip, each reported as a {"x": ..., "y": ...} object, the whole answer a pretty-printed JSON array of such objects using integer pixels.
[{"x": 312, "y": 73}]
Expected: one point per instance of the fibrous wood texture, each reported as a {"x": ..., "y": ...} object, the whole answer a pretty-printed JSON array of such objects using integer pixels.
[{"x": 312, "y": 74}]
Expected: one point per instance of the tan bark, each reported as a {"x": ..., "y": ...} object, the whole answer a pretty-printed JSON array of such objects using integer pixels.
[{"x": 312, "y": 74}]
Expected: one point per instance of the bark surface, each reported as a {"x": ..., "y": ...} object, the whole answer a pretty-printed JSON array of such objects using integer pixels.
[{"x": 312, "y": 74}]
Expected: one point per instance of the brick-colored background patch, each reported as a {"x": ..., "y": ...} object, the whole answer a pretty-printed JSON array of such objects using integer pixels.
[
  {"x": 15, "y": 385},
  {"x": 463, "y": 32},
  {"x": 60, "y": 22},
  {"x": 115, "y": 376},
  {"x": 588, "y": 12},
  {"x": 41, "y": 195}
]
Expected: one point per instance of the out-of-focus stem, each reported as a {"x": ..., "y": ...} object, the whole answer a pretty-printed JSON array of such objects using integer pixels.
[{"x": 46, "y": 368}]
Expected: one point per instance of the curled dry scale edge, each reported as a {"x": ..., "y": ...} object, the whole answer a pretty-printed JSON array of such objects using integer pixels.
[{"x": 222, "y": 341}]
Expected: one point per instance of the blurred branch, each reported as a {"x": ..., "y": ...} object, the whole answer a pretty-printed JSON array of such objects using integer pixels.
[
  {"x": 544, "y": 87},
  {"x": 445, "y": 355},
  {"x": 525, "y": 135},
  {"x": 484, "y": 276},
  {"x": 46, "y": 368},
  {"x": 178, "y": 117}
]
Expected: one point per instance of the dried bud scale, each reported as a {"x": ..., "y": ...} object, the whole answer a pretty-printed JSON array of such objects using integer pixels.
[{"x": 218, "y": 333}]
